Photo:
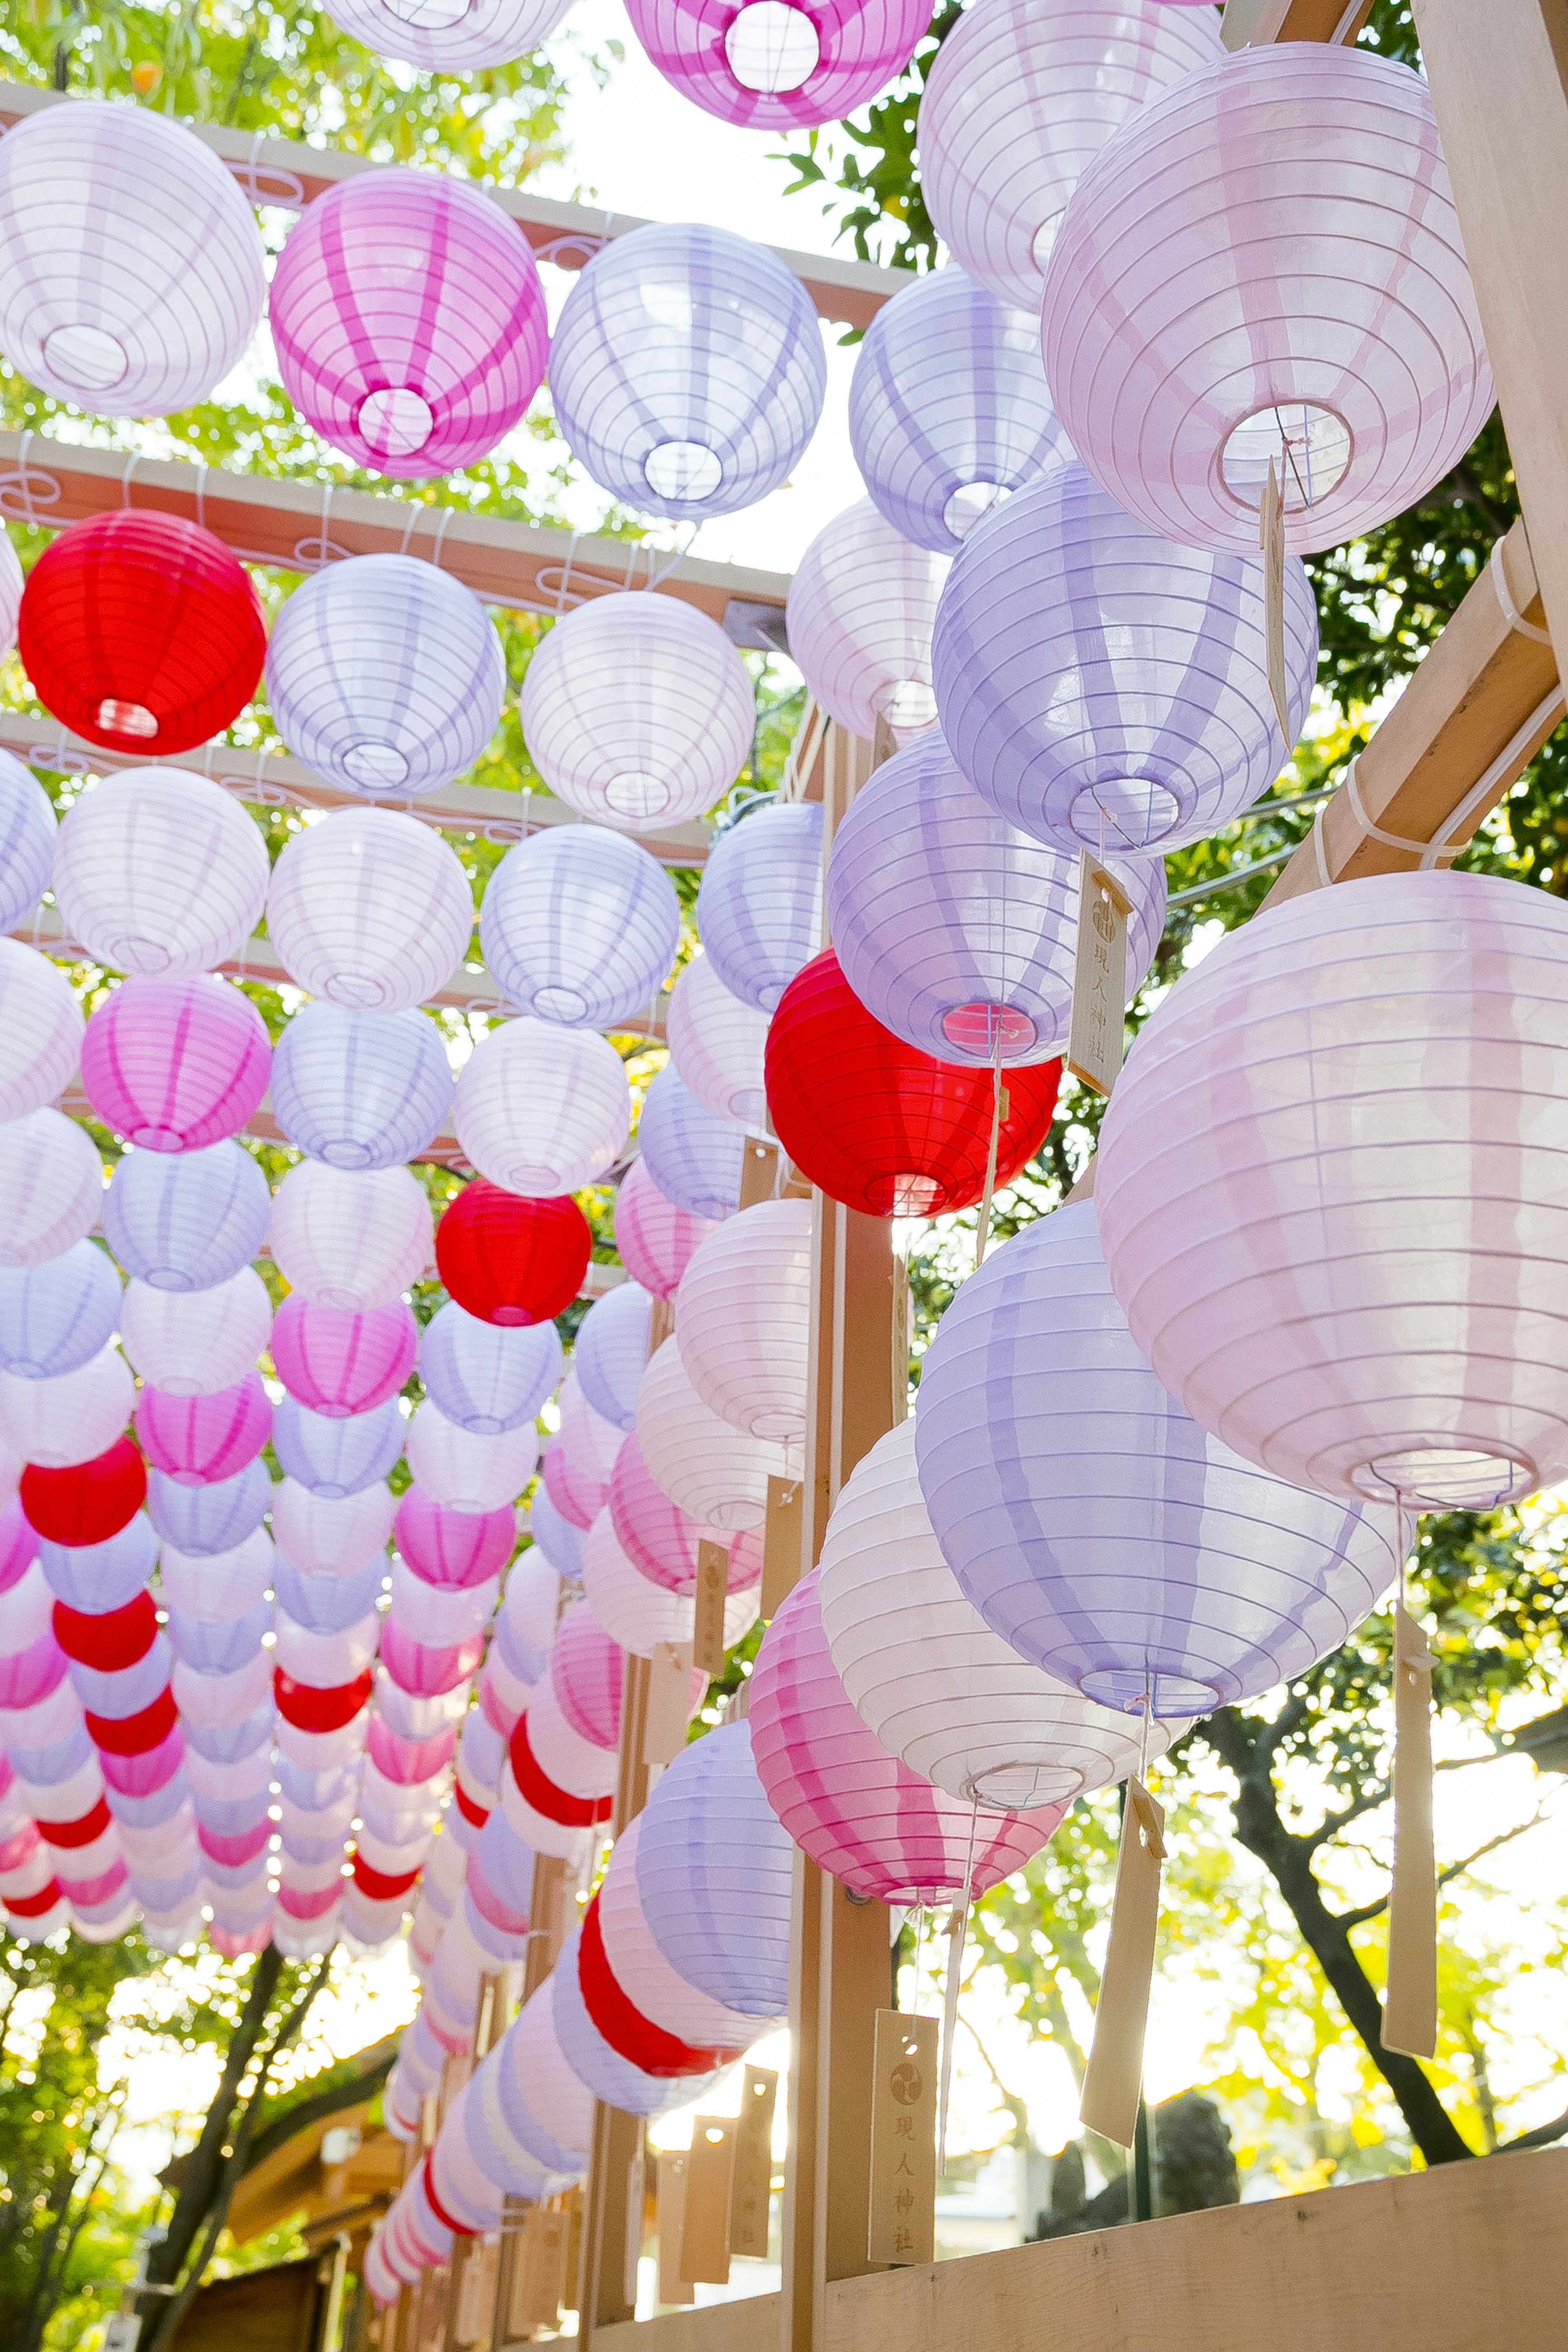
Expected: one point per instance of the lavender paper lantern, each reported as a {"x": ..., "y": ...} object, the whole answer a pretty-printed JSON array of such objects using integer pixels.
[
  {"x": 409, "y": 321},
  {"x": 615, "y": 2080},
  {"x": 611, "y": 1352},
  {"x": 744, "y": 1315},
  {"x": 1298, "y": 295},
  {"x": 370, "y": 910},
  {"x": 51, "y": 1187},
  {"x": 339, "y": 1364},
  {"x": 687, "y": 371},
  {"x": 326, "y": 1604},
  {"x": 717, "y": 1043},
  {"x": 360, "y": 1090},
  {"x": 351, "y": 1238},
  {"x": 758, "y": 904},
  {"x": 692, "y": 1154},
  {"x": 1102, "y": 1533},
  {"x": 175, "y": 1064},
  {"x": 450, "y": 37},
  {"x": 956, "y": 930},
  {"x": 1017, "y": 101},
  {"x": 40, "y": 1029},
  {"x": 778, "y": 65},
  {"x": 655, "y": 1238},
  {"x": 485, "y": 1377},
  {"x": 580, "y": 926},
  {"x": 671, "y": 738},
  {"x": 100, "y": 1576},
  {"x": 557, "y": 1537},
  {"x": 28, "y": 826},
  {"x": 159, "y": 873},
  {"x": 336, "y": 1457},
  {"x": 55, "y": 1317},
  {"x": 225, "y": 1585},
  {"x": 206, "y": 1520},
  {"x": 715, "y": 1869},
  {"x": 860, "y": 615},
  {"x": 542, "y": 1111},
  {"x": 386, "y": 676},
  {"x": 193, "y": 1343},
  {"x": 187, "y": 1220}
]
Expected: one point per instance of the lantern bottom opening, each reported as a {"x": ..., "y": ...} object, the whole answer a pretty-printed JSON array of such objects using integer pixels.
[
  {"x": 1021, "y": 1785},
  {"x": 1310, "y": 449},
  {"x": 396, "y": 421},
  {"x": 977, "y": 1030},
  {"x": 909, "y": 708},
  {"x": 771, "y": 47},
  {"x": 531, "y": 1179},
  {"x": 132, "y": 720},
  {"x": 157, "y": 1138},
  {"x": 634, "y": 794},
  {"x": 1124, "y": 813},
  {"x": 1161, "y": 1691},
  {"x": 342, "y": 1152},
  {"x": 429, "y": 16},
  {"x": 375, "y": 766},
  {"x": 971, "y": 503},
  {"x": 559, "y": 1004},
  {"x": 1446, "y": 1478},
  {"x": 165, "y": 1278},
  {"x": 357, "y": 992},
  {"x": 683, "y": 469},
  {"x": 86, "y": 356}
]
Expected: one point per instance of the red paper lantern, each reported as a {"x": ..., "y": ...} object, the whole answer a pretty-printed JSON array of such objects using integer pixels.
[
  {"x": 141, "y": 631},
  {"x": 537, "y": 1789},
  {"x": 134, "y": 1735},
  {"x": 309, "y": 1709},
  {"x": 379, "y": 1884},
  {"x": 112, "y": 1640},
  {"x": 629, "y": 2034},
  {"x": 509, "y": 1260},
  {"x": 478, "y": 1815},
  {"x": 459, "y": 2229},
  {"x": 89, "y": 1503},
  {"x": 880, "y": 1126},
  {"x": 81, "y": 1831}
]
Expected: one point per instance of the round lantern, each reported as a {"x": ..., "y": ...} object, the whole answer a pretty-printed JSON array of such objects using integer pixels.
[
  {"x": 464, "y": 1472},
  {"x": 851, "y": 1808},
  {"x": 227, "y": 1585},
  {"x": 40, "y": 1029},
  {"x": 441, "y": 1614},
  {"x": 409, "y": 322},
  {"x": 1388, "y": 1327},
  {"x": 88, "y": 1502},
  {"x": 716, "y": 1044},
  {"x": 948, "y": 409},
  {"x": 929, "y": 1677},
  {"x": 141, "y": 632},
  {"x": 335, "y": 1536},
  {"x": 58, "y": 1422},
  {"x": 360, "y": 1090},
  {"x": 51, "y": 1187},
  {"x": 542, "y": 1111},
  {"x": 880, "y": 1126},
  {"x": 159, "y": 873},
  {"x": 199, "y": 1441},
  {"x": 175, "y": 1064},
  {"x": 578, "y": 1494},
  {"x": 509, "y": 1261},
  {"x": 1106, "y": 689},
  {"x": 592, "y": 1443},
  {"x": 687, "y": 371},
  {"x": 713, "y": 1472},
  {"x": 132, "y": 263},
  {"x": 744, "y": 1312},
  {"x": 194, "y": 1343},
  {"x": 714, "y": 1870},
  {"x": 454, "y": 1548},
  {"x": 611, "y": 1352},
  {"x": 956, "y": 930},
  {"x": 383, "y": 674},
  {"x": 586, "y": 1675},
  {"x": 353, "y": 1239},
  {"x": 860, "y": 616},
  {"x": 1101, "y": 1532},
  {"x": 310, "y": 1709},
  {"x": 370, "y": 909},
  {"x": 580, "y": 926},
  {"x": 655, "y": 1238},
  {"x": 339, "y": 1364},
  {"x": 661, "y": 1992},
  {"x": 559, "y": 1539},
  {"x": 1017, "y": 101},
  {"x": 672, "y": 737},
  {"x": 106, "y": 1575},
  {"x": 336, "y": 1457},
  {"x": 638, "y": 1614},
  {"x": 55, "y": 1317},
  {"x": 778, "y": 65},
  {"x": 187, "y": 1220},
  {"x": 28, "y": 827},
  {"x": 484, "y": 1378},
  {"x": 692, "y": 1155},
  {"x": 208, "y": 1520},
  {"x": 659, "y": 1539},
  {"x": 1332, "y": 332},
  {"x": 446, "y": 37},
  {"x": 758, "y": 904}
]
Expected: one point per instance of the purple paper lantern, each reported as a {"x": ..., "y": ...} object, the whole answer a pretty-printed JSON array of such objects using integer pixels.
[
  {"x": 360, "y": 1089},
  {"x": 757, "y": 908},
  {"x": 334, "y": 1458},
  {"x": 175, "y": 1064},
  {"x": 487, "y": 1378},
  {"x": 579, "y": 925},
  {"x": 202, "y": 1441},
  {"x": 779, "y": 65},
  {"x": 205, "y": 1520},
  {"x": 611, "y": 1352},
  {"x": 100, "y": 1576},
  {"x": 715, "y": 1869},
  {"x": 559, "y": 1538},
  {"x": 190, "y": 1222},
  {"x": 338, "y": 1363},
  {"x": 692, "y": 1154},
  {"x": 55, "y": 1317},
  {"x": 28, "y": 827}
]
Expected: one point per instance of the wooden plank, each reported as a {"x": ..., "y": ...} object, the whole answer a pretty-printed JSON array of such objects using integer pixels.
[
  {"x": 747, "y": 2325},
  {"x": 1251, "y": 24}
]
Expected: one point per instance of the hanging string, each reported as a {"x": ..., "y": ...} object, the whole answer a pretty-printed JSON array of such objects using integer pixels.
[
  {"x": 999, "y": 1108},
  {"x": 957, "y": 1932}
]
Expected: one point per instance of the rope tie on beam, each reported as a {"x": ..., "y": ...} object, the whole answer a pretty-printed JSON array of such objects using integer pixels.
[{"x": 1510, "y": 612}]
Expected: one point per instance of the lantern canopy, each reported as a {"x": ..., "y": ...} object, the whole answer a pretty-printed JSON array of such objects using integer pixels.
[
  {"x": 370, "y": 909},
  {"x": 758, "y": 903},
  {"x": 540, "y": 1109},
  {"x": 692, "y": 1154},
  {"x": 860, "y": 616},
  {"x": 778, "y": 65},
  {"x": 511, "y": 1260},
  {"x": 580, "y": 926},
  {"x": 159, "y": 873}
]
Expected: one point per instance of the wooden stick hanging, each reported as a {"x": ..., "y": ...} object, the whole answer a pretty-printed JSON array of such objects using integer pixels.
[
  {"x": 1410, "y": 2003},
  {"x": 1113, "y": 2080}
]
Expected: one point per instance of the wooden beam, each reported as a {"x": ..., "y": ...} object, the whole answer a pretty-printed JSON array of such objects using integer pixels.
[{"x": 1252, "y": 24}]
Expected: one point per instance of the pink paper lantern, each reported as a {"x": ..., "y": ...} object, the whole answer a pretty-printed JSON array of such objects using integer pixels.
[
  {"x": 338, "y": 1363},
  {"x": 656, "y": 1536},
  {"x": 586, "y": 1672},
  {"x": 655, "y": 1238},
  {"x": 199, "y": 1440},
  {"x": 779, "y": 65},
  {"x": 424, "y": 1672},
  {"x": 175, "y": 1064},
  {"x": 451, "y": 1548}
]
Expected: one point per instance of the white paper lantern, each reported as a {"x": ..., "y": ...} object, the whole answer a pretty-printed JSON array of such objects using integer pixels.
[
  {"x": 332, "y": 1534},
  {"x": 351, "y": 1237},
  {"x": 464, "y": 1472},
  {"x": 743, "y": 1313},
  {"x": 40, "y": 1029},
  {"x": 860, "y": 616},
  {"x": 442, "y": 1616},
  {"x": 370, "y": 909},
  {"x": 60, "y": 1422},
  {"x": 638, "y": 711},
  {"x": 130, "y": 263},
  {"x": 450, "y": 37},
  {"x": 717, "y": 1043},
  {"x": 638, "y": 1614},
  {"x": 51, "y": 1187},
  {"x": 160, "y": 872},
  {"x": 28, "y": 826},
  {"x": 218, "y": 1586},
  {"x": 195, "y": 1342},
  {"x": 542, "y": 1111},
  {"x": 700, "y": 1462},
  {"x": 580, "y": 926}
]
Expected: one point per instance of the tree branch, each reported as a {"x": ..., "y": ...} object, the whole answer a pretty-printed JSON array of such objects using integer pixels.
[
  {"x": 1348, "y": 1919},
  {"x": 1542, "y": 2137}
]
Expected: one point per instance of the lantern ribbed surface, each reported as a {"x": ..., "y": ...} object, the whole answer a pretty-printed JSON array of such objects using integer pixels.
[
  {"x": 655, "y": 1239},
  {"x": 1100, "y": 1531},
  {"x": 1267, "y": 265},
  {"x": 743, "y": 1313},
  {"x": 199, "y": 1441},
  {"x": 60, "y": 1422},
  {"x": 958, "y": 931},
  {"x": 409, "y": 321},
  {"x": 484, "y": 1377},
  {"x": 609, "y": 1353},
  {"x": 713, "y": 1875},
  {"x": 55, "y": 1317},
  {"x": 586, "y": 1672},
  {"x": 141, "y": 631},
  {"x": 193, "y": 1343},
  {"x": 385, "y": 675},
  {"x": 186, "y": 1221},
  {"x": 693, "y": 1155},
  {"x": 662, "y": 1993},
  {"x": 40, "y": 1031},
  {"x": 132, "y": 264},
  {"x": 878, "y": 1125},
  {"x": 340, "y": 1363},
  {"x": 454, "y": 1547},
  {"x": 51, "y": 1187},
  {"x": 175, "y": 1064},
  {"x": 327, "y": 1536},
  {"x": 1019, "y": 101},
  {"x": 449, "y": 38},
  {"x": 860, "y": 616},
  {"x": 1106, "y": 688},
  {"x": 370, "y": 909},
  {"x": 159, "y": 873},
  {"x": 541, "y": 1111},
  {"x": 671, "y": 738},
  {"x": 657, "y": 1537},
  {"x": 851, "y": 1806},
  {"x": 336, "y": 1456},
  {"x": 28, "y": 826},
  {"x": 687, "y": 369},
  {"x": 350, "y": 1238},
  {"x": 580, "y": 926},
  {"x": 360, "y": 1089},
  {"x": 464, "y": 1471},
  {"x": 758, "y": 906},
  {"x": 948, "y": 409},
  {"x": 208, "y": 1520},
  {"x": 1368, "y": 1094},
  {"x": 714, "y": 1473},
  {"x": 717, "y": 1043},
  {"x": 779, "y": 65},
  {"x": 638, "y": 1614},
  {"x": 511, "y": 1261}
]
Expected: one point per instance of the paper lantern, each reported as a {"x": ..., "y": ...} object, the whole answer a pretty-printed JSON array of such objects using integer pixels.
[
  {"x": 320, "y": 1710},
  {"x": 55, "y": 1317},
  {"x": 661, "y": 1993},
  {"x": 658, "y": 1537},
  {"x": 609, "y": 2073},
  {"x": 89, "y": 1501},
  {"x": 482, "y": 1377},
  {"x": 851, "y": 1808},
  {"x": 717, "y": 1043},
  {"x": 199, "y": 1441},
  {"x": 714, "y": 1473},
  {"x": 175, "y": 1064},
  {"x": 509, "y": 1261},
  {"x": 339, "y": 1364},
  {"x": 621, "y": 2029},
  {"x": 51, "y": 1187},
  {"x": 143, "y": 633},
  {"x": 948, "y": 409},
  {"x": 1392, "y": 1182},
  {"x": 758, "y": 904},
  {"x": 577, "y": 1492},
  {"x": 98, "y": 1576},
  {"x": 876, "y": 1124},
  {"x": 159, "y": 873},
  {"x": 1016, "y": 108},
  {"x": 464, "y": 1472},
  {"x": 559, "y": 1538},
  {"x": 40, "y": 1028},
  {"x": 580, "y": 926},
  {"x": 353, "y": 1239},
  {"x": 638, "y": 1614},
  {"x": 186, "y": 1222},
  {"x": 332, "y": 1536},
  {"x": 214, "y": 1518},
  {"x": 743, "y": 1313},
  {"x": 60, "y": 1422},
  {"x": 715, "y": 1869},
  {"x": 446, "y": 39},
  {"x": 655, "y": 1238},
  {"x": 370, "y": 910},
  {"x": 1106, "y": 689},
  {"x": 687, "y": 371},
  {"x": 28, "y": 826},
  {"x": 540, "y": 1109},
  {"x": 132, "y": 263},
  {"x": 590, "y": 1442},
  {"x": 610, "y": 1351},
  {"x": 358, "y": 1089},
  {"x": 860, "y": 616},
  {"x": 1102, "y": 1534},
  {"x": 229, "y": 1584},
  {"x": 692, "y": 1155},
  {"x": 427, "y": 1669},
  {"x": 586, "y": 1675},
  {"x": 1298, "y": 295},
  {"x": 670, "y": 737},
  {"x": 340, "y": 1457},
  {"x": 778, "y": 65},
  {"x": 957, "y": 930},
  {"x": 193, "y": 1343},
  {"x": 453, "y": 1548},
  {"x": 326, "y": 1604}
]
